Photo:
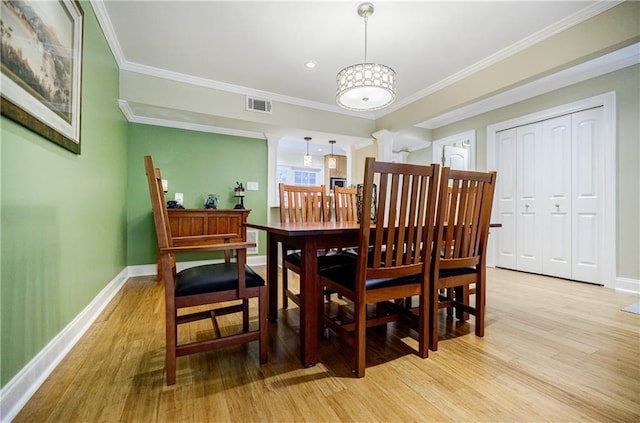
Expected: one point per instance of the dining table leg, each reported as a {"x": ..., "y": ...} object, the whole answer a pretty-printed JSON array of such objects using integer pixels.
[
  {"x": 309, "y": 295},
  {"x": 272, "y": 276}
]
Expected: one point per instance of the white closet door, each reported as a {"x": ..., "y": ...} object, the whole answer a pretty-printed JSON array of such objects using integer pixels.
[
  {"x": 505, "y": 195},
  {"x": 456, "y": 157},
  {"x": 588, "y": 184},
  {"x": 528, "y": 193},
  {"x": 556, "y": 201}
]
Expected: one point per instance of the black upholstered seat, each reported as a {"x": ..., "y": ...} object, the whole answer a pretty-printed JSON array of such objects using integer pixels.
[
  {"x": 345, "y": 275},
  {"x": 458, "y": 271},
  {"x": 213, "y": 278}
]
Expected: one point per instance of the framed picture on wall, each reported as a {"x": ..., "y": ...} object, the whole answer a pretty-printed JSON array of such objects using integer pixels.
[{"x": 42, "y": 67}]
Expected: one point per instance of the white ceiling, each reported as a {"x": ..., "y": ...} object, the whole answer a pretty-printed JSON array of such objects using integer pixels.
[{"x": 263, "y": 45}]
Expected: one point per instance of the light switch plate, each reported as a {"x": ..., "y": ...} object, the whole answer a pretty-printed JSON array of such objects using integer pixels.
[
  {"x": 252, "y": 186},
  {"x": 179, "y": 198}
]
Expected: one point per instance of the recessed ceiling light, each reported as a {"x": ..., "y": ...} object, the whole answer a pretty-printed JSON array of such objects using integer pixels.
[{"x": 310, "y": 65}]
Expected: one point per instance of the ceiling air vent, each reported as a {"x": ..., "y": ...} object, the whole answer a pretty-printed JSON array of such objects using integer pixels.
[{"x": 258, "y": 105}]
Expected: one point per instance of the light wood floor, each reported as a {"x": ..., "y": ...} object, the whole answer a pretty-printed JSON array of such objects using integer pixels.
[{"x": 554, "y": 350}]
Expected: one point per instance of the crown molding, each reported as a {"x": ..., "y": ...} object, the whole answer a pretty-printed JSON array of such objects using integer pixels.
[
  {"x": 237, "y": 89},
  {"x": 126, "y": 110},
  {"x": 620, "y": 59},
  {"x": 131, "y": 117},
  {"x": 125, "y": 65},
  {"x": 109, "y": 33},
  {"x": 517, "y": 47}
]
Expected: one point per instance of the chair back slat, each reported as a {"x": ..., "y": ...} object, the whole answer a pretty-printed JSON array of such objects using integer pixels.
[
  {"x": 303, "y": 204},
  {"x": 464, "y": 213},
  {"x": 346, "y": 204},
  {"x": 401, "y": 240}
]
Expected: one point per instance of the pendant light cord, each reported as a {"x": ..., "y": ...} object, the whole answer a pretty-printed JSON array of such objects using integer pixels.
[{"x": 366, "y": 20}]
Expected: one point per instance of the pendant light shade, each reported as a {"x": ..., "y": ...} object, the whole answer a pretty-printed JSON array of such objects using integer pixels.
[
  {"x": 332, "y": 159},
  {"x": 365, "y": 86},
  {"x": 307, "y": 157}
]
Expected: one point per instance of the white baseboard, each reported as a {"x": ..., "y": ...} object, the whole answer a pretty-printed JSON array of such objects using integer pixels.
[
  {"x": 15, "y": 394},
  {"x": 142, "y": 270},
  {"x": 629, "y": 285}
]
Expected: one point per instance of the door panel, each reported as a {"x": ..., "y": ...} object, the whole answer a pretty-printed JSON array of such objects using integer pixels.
[
  {"x": 505, "y": 194},
  {"x": 586, "y": 228},
  {"x": 588, "y": 184},
  {"x": 456, "y": 157},
  {"x": 556, "y": 208},
  {"x": 528, "y": 189}
]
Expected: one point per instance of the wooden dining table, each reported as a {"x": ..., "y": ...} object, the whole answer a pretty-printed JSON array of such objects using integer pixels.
[{"x": 309, "y": 238}]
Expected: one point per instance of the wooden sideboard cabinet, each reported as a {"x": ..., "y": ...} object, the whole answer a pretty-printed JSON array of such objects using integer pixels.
[{"x": 191, "y": 222}]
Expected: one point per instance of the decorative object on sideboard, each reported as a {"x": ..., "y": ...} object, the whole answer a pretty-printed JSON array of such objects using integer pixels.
[
  {"x": 238, "y": 192},
  {"x": 173, "y": 204},
  {"x": 365, "y": 86},
  {"x": 212, "y": 201}
]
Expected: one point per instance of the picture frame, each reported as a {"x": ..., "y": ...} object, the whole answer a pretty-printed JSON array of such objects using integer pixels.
[{"x": 42, "y": 68}]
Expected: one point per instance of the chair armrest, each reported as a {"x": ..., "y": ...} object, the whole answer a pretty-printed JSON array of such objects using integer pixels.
[{"x": 208, "y": 247}]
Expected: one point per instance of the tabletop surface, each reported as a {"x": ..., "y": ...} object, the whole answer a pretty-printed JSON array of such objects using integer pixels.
[
  {"x": 301, "y": 229},
  {"x": 314, "y": 228}
]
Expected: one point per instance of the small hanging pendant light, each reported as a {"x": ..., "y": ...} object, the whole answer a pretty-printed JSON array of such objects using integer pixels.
[
  {"x": 307, "y": 157},
  {"x": 332, "y": 159}
]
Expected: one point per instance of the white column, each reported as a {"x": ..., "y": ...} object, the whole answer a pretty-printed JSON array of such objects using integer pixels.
[
  {"x": 348, "y": 152},
  {"x": 272, "y": 166},
  {"x": 384, "y": 139},
  {"x": 401, "y": 156}
]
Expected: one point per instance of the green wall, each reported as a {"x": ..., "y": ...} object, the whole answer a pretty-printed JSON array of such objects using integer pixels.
[
  {"x": 63, "y": 216},
  {"x": 195, "y": 164},
  {"x": 626, "y": 84}
]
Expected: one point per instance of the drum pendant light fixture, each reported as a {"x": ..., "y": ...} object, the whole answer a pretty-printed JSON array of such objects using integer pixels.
[{"x": 366, "y": 86}]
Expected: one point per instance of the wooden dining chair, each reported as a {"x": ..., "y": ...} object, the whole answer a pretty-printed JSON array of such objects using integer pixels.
[
  {"x": 400, "y": 249},
  {"x": 462, "y": 229},
  {"x": 303, "y": 204},
  {"x": 205, "y": 285},
  {"x": 345, "y": 201}
]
